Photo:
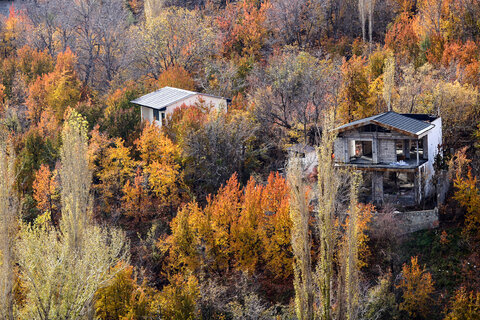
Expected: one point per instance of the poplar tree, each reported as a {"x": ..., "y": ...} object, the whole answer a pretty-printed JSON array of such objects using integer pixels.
[
  {"x": 62, "y": 269},
  {"x": 301, "y": 242},
  {"x": 351, "y": 250},
  {"x": 389, "y": 79},
  {"x": 328, "y": 186},
  {"x": 8, "y": 216}
]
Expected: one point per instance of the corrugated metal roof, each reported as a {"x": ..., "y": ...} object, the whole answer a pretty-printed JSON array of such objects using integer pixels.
[
  {"x": 394, "y": 121},
  {"x": 164, "y": 97},
  {"x": 403, "y": 123}
]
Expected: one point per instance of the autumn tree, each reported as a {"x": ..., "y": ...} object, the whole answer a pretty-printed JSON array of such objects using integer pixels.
[
  {"x": 243, "y": 29},
  {"x": 177, "y": 37},
  {"x": 467, "y": 193},
  {"x": 239, "y": 228},
  {"x": 464, "y": 305},
  {"x": 176, "y": 77},
  {"x": 33, "y": 63},
  {"x": 458, "y": 105},
  {"x": 123, "y": 297},
  {"x": 63, "y": 268},
  {"x": 56, "y": 90},
  {"x": 389, "y": 80},
  {"x": 380, "y": 303},
  {"x": 301, "y": 241},
  {"x": 293, "y": 92},
  {"x": 402, "y": 39},
  {"x": 116, "y": 168},
  {"x": 45, "y": 191},
  {"x": 354, "y": 92},
  {"x": 157, "y": 187},
  {"x": 39, "y": 145},
  {"x": 178, "y": 300},
  {"x": 349, "y": 255},
  {"x": 417, "y": 286},
  {"x": 298, "y": 23},
  {"x": 327, "y": 189},
  {"x": 121, "y": 118},
  {"x": 8, "y": 224}
]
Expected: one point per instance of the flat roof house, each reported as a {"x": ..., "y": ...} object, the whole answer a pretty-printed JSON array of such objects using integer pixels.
[
  {"x": 156, "y": 105},
  {"x": 395, "y": 152}
]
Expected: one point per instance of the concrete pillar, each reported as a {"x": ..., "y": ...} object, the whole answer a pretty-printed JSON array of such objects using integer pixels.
[
  {"x": 406, "y": 149},
  {"x": 418, "y": 186},
  {"x": 377, "y": 187},
  {"x": 346, "y": 154},
  {"x": 418, "y": 155},
  {"x": 375, "y": 150},
  {"x": 425, "y": 147}
]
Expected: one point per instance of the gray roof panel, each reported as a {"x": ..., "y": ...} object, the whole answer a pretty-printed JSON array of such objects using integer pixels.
[
  {"x": 162, "y": 98},
  {"x": 394, "y": 121},
  {"x": 403, "y": 123}
]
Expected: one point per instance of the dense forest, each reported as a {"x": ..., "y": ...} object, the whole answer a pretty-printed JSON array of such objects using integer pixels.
[{"x": 105, "y": 216}]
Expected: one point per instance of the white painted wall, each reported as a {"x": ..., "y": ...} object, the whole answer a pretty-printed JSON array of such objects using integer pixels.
[
  {"x": 434, "y": 138},
  {"x": 217, "y": 103}
]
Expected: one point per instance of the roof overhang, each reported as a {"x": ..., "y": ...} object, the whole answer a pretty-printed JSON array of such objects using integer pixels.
[{"x": 387, "y": 120}]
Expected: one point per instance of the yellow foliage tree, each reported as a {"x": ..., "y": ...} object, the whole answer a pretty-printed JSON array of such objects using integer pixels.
[
  {"x": 464, "y": 306},
  {"x": 417, "y": 286}
]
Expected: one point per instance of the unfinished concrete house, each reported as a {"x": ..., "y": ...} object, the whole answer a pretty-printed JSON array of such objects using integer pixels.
[{"x": 395, "y": 152}]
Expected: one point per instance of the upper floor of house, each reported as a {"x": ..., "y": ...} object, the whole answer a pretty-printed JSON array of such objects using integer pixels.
[
  {"x": 157, "y": 105},
  {"x": 389, "y": 141}
]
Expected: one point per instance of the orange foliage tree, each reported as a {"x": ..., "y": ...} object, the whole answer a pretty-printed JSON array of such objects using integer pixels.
[
  {"x": 402, "y": 39},
  {"x": 56, "y": 90},
  {"x": 239, "y": 228},
  {"x": 465, "y": 57},
  {"x": 46, "y": 191},
  {"x": 176, "y": 77},
  {"x": 244, "y": 29}
]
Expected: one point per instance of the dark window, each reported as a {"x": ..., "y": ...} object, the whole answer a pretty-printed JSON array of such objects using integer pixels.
[
  {"x": 163, "y": 118},
  {"x": 155, "y": 115}
]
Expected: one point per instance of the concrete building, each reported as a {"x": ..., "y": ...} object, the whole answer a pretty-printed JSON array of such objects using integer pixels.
[
  {"x": 157, "y": 105},
  {"x": 396, "y": 153}
]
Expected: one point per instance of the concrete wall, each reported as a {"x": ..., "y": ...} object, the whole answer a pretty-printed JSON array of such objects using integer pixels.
[{"x": 147, "y": 114}]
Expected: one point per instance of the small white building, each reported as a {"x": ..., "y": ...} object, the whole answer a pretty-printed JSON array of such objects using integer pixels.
[{"x": 156, "y": 105}]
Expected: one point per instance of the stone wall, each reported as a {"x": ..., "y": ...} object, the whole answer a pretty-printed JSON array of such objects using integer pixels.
[
  {"x": 386, "y": 151},
  {"x": 411, "y": 221}
]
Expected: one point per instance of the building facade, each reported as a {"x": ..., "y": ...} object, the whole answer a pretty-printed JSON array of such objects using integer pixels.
[{"x": 395, "y": 152}]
